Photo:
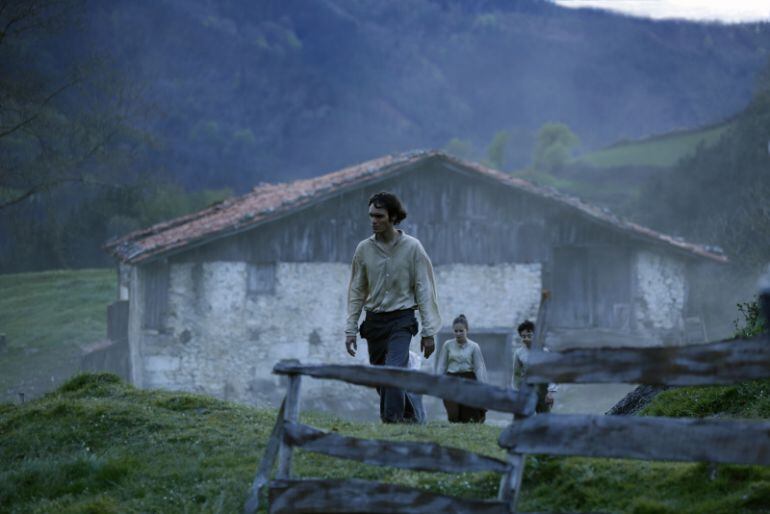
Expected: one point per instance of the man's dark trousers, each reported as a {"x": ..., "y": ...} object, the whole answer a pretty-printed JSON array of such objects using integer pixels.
[{"x": 388, "y": 335}]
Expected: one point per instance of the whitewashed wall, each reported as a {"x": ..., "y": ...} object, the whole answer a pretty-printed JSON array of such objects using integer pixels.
[
  {"x": 219, "y": 339},
  {"x": 500, "y": 295},
  {"x": 661, "y": 290}
]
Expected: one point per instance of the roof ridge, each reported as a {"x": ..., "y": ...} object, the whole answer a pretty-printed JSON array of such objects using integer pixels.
[{"x": 266, "y": 200}]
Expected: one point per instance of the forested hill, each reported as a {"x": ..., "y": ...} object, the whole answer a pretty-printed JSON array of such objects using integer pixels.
[{"x": 243, "y": 91}]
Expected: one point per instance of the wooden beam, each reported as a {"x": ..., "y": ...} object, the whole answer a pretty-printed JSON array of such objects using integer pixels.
[
  {"x": 358, "y": 496},
  {"x": 405, "y": 455},
  {"x": 268, "y": 459},
  {"x": 541, "y": 325},
  {"x": 723, "y": 362},
  {"x": 638, "y": 437},
  {"x": 510, "y": 483},
  {"x": 291, "y": 415},
  {"x": 461, "y": 390}
]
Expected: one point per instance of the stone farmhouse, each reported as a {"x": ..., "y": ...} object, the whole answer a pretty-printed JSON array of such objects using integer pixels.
[{"x": 214, "y": 299}]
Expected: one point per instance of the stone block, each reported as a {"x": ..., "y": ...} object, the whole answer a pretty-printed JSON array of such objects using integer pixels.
[{"x": 163, "y": 363}]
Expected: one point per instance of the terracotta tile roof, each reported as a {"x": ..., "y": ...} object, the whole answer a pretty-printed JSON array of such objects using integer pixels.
[{"x": 269, "y": 201}]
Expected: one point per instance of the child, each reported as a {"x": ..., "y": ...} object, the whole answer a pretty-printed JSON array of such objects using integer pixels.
[
  {"x": 520, "y": 360},
  {"x": 462, "y": 357}
]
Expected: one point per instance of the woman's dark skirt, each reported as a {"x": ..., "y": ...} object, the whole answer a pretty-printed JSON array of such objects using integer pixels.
[{"x": 459, "y": 413}]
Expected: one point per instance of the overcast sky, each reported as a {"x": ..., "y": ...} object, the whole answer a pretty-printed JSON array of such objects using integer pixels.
[{"x": 728, "y": 11}]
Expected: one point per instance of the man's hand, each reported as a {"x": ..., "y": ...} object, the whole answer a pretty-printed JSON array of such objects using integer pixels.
[
  {"x": 427, "y": 345},
  {"x": 350, "y": 345}
]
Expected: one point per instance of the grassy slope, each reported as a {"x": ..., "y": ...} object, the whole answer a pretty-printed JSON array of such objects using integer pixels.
[
  {"x": 98, "y": 445},
  {"x": 750, "y": 400},
  {"x": 45, "y": 316},
  {"x": 614, "y": 177},
  {"x": 100, "y": 442},
  {"x": 664, "y": 150}
]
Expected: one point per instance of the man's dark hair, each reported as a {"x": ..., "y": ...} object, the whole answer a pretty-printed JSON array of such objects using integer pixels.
[
  {"x": 526, "y": 325},
  {"x": 391, "y": 203}
]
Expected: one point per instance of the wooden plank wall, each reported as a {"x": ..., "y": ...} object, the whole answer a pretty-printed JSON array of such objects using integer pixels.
[
  {"x": 458, "y": 218},
  {"x": 155, "y": 282}
]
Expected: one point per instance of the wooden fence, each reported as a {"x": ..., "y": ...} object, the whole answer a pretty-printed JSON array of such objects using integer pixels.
[
  {"x": 290, "y": 495},
  {"x": 694, "y": 440}
]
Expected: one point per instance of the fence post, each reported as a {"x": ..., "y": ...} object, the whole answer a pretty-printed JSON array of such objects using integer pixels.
[
  {"x": 510, "y": 483},
  {"x": 262, "y": 477},
  {"x": 291, "y": 413},
  {"x": 538, "y": 338}
]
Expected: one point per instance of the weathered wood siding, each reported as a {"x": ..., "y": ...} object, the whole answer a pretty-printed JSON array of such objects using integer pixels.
[
  {"x": 155, "y": 282},
  {"x": 598, "y": 281},
  {"x": 458, "y": 218}
]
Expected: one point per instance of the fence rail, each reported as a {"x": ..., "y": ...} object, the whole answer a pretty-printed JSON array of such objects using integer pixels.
[
  {"x": 646, "y": 438},
  {"x": 461, "y": 390},
  {"x": 404, "y": 455},
  {"x": 355, "y": 496},
  {"x": 723, "y": 362}
]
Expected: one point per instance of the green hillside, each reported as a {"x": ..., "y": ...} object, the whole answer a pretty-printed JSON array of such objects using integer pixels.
[
  {"x": 98, "y": 445},
  {"x": 45, "y": 317},
  {"x": 659, "y": 151}
]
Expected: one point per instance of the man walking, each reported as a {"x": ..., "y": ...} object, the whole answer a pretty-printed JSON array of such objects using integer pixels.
[{"x": 391, "y": 277}]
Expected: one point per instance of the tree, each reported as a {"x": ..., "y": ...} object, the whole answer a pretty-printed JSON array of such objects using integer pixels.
[
  {"x": 459, "y": 148},
  {"x": 553, "y": 147},
  {"x": 762, "y": 86},
  {"x": 496, "y": 149},
  {"x": 720, "y": 194},
  {"x": 58, "y": 116}
]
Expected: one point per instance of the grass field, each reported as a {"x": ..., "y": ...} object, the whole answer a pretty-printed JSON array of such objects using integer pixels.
[
  {"x": 98, "y": 445},
  {"x": 614, "y": 176},
  {"x": 45, "y": 317},
  {"x": 659, "y": 151}
]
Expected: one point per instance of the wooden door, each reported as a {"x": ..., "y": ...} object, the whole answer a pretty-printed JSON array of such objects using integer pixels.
[
  {"x": 591, "y": 287},
  {"x": 572, "y": 288}
]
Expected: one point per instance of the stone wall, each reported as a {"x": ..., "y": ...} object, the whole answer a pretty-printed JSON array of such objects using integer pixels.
[
  {"x": 494, "y": 296},
  {"x": 660, "y": 294},
  {"x": 228, "y": 324}
]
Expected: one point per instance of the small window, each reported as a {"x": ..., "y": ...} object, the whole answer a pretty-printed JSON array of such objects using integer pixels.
[
  {"x": 155, "y": 282},
  {"x": 261, "y": 279}
]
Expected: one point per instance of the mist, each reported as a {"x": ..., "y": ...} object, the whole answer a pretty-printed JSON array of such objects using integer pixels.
[{"x": 179, "y": 105}]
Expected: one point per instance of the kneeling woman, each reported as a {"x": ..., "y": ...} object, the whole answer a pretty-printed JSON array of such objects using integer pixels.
[{"x": 461, "y": 357}]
